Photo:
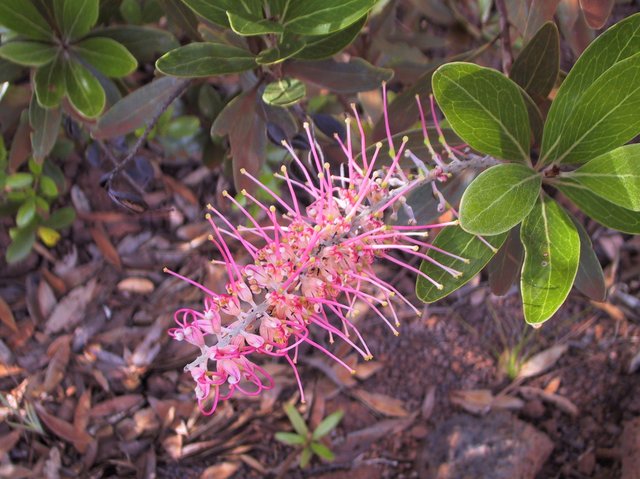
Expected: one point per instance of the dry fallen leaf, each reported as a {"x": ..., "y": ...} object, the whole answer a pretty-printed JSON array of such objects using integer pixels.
[
  {"x": 101, "y": 238},
  {"x": 116, "y": 405},
  {"x": 223, "y": 470},
  {"x": 382, "y": 403},
  {"x": 63, "y": 429},
  {"x": 476, "y": 401},
  {"x": 560, "y": 402},
  {"x": 428, "y": 403},
  {"x": 542, "y": 361},
  {"x": 46, "y": 298},
  {"x": 70, "y": 310},
  {"x": 367, "y": 369},
  {"x": 6, "y": 316},
  {"x": 553, "y": 385},
  {"x": 8, "y": 441},
  {"x": 136, "y": 285},
  {"x": 59, "y": 351}
]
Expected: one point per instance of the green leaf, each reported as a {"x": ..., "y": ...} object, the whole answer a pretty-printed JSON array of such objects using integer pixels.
[
  {"x": 551, "y": 256},
  {"x": 142, "y": 41},
  {"x": 325, "y": 46},
  {"x": 287, "y": 47},
  {"x": 49, "y": 83},
  {"x": 484, "y": 108},
  {"x": 26, "y": 212},
  {"x": 305, "y": 457},
  {"x": 30, "y": 54},
  {"x": 45, "y": 125},
  {"x": 339, "y": 77},
  {"x": 601, "y": 210},
  {"x": 285, "y": 92},
  {"x": 474, "y": 253},
  {"x": 107, "y": 56},
  {"x": 205, "y": 59},
  {"x": 328, "y": 424},
  {"x": 19, "y": 180},
  {"x": 535, "y": 116},
  {"x": 183, "y": 127},
  {"x": 78, "y": 16},
  {"x": 321, "y": 17},
  {"x": 22, "y": 17},
  {"x": 131, "y": 11},
  {"x": 590, "y": 277},
  {"x": 614, "y": 176},
  {"x": 536, "y": 68},
  {"x": 607, "y": 116},
  {"x": 296, "y": 420},
  {"x": 48, "y": 187},
  {"x": 505, "y": 266},
  {"x": 182, "y": 16},
  {"x": 21, "y": 244},
  {"x": 61, "y": 218},
  {"x": 499, "y": 198},
  {"x": 216, "y": 10},
  {"x": 84, "y": 90},
  {"x": 322, "y": 451},
  {"x": 290, "y": 438},
  {"x": 250, "y": 26},
  {"x": 612, "y": 47}
]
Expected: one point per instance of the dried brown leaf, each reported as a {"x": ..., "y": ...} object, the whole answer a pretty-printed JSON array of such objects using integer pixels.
[
  {"x": 70, "y": 310},
  {"x": 367, "y": 369},
  {"x": 553, "y": 385},
  {"x": 63, "y": 429},
  {"x": 59, "y": 351},
  {"x": 8, "y": 370},
  {"x": 428, "y": 403},
  {"x": 6, "y": 316},
  {"x": 116, "y": 405},
  {"x": 53, "y": 464},
  {"x": 83, "y": 408},
  {"x": 224, "y": 470},
  {"x": 560, "y": 402},
  {"x": 136, "y": 285},
  {"x": 542, "y": 361},
  {"x": 507, "y": 402},
  {"x": 173, "y": 445},
  {"x": 476, "y": 401},
  {"x": 102, "y": 240},
  {"x": 46, "y": 299},
  {"x": 596, "y": 12},
  {"x": 387, "y": 405},
  {"x": 8, "y": 441}
]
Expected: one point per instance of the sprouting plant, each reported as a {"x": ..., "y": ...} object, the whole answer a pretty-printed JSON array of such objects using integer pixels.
[
  {"x": 27, "y": 419},
  {"x": 309, "y": 441}
]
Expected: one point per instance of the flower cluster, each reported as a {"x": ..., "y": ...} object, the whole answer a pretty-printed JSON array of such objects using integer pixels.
[{"x": 315, "y": 262}]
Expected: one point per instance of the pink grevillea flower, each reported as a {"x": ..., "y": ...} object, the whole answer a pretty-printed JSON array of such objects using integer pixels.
[{"x": 315, "y": 262}]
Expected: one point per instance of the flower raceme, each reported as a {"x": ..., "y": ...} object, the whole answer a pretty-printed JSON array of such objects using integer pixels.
[{"x": 315, "y": 263}]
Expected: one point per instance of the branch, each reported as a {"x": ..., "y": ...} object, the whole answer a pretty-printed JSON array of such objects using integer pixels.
[{"x": 507, "y": 53}]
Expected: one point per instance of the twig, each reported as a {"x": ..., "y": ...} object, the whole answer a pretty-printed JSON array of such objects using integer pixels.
[
  {"x": 179, "y": 90},
  {"x": 507, "y": 53}
]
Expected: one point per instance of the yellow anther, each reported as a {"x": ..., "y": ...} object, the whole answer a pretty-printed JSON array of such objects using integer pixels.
[{"x": 385, "y": 304}]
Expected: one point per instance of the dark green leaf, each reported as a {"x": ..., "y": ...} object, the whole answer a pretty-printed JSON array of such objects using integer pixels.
[
  {"x": 209, "y": 101},
  {"x": 183, "y": 127},
  {"x": 322, "y": 451},
  {"x": 21, "y": 244},
  {"x": 287, "y": 47},
  {"x": 26, "y": 213},
  {"x": 9, "y": 71},
  {"x": 78, "y": 16},
  {"x": 614, "y": 176},
  {"x": 296, "y": 420},
  {"x": 505, "y": 266},
  {"x": 30, "y": 54},
  {"x": 590, "y": 277},
  {"x": 321, "y": 47},
  {"x": 107, "y": 56},
  {"x": 551, "y": 256},
  {"x": 84, "y": 90},
  {"x": 216, "y": 10},
  {"x": 615, "y": 45},
  {"x": 328, "y": 424},
  {"x": 474, "y": 251},
  {"x": 536, "y": 122},
  {"x": 536, "y": 68},
  {"x": 61, "y": 218},
  {"x": 290, "y": 438},
  {"x": 136, "y": 108},
  {"x": 321, "y": 17},
  {"x": 285, "y": 92},
  {"x": 484, "y": 108},
  {"x": 250, "y": 26},
  {"x": 601, "y": 210},
  {"x": 143, "y": 42},
  {"x": 22, "y": 17},
  {"x": 49, "y": 83},
  {"x": 131, "y": 11},
  {"x": 499, "y": 198},
  {"x": 179, "y": 14},
  {"x": 205, "y": 59},
  {"x": 45, "y": 123},
  {"x": 351, "y": 77}
]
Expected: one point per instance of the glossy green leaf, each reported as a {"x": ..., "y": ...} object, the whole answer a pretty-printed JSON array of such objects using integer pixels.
[
  {"x": 16, "y": 181},
  {"x": 536, "y": 68},
  {"x": 205, "y": 59},
  {"x": 45, "y": 126},
  {"x": 505, "y": 266},
  {"x": 339, "y": 77},
  {"x": 536, "y": 122},
  {"x": 474, "y": 253},
  {"x": 61, "y": 218},
  {"x": 216, "y": 10},
  {"x": 50, "y": 84},
  {"x": 107, "y": 56},
  {"x": 250, "y": 26},
  {"x": 26, "y": 213},
  {"x": 30, "y": 54},
  {"x": 48, "y": 187},
  {"x": 322, "y": 451},
  {"x": 321, "y": 17},
  {"x": 287, "y": 47},
  {"x": 499, "y": 198},
  {"x": 296, "y": 420},
  {"x": 84, "y": 90},
  {"x": 590, "y": 277},
  {"x": 601, "y": 210},
  {"x": 21, "y": 244},
  {"x": 328, "y": 424},
  {"x": 78, "y": 16},
  {"x": 551, "y": 256},
  {"x": 484, "y": 108},
  {"x": 325, "y": 46},
  {"x": 284, "y": 92},
  {"x": 182, "y": 16},
  {"x": 614, "y": 176},
  {"x": 290, "y": 438},
  {"x": 143, "y": 42},
  {"x": 23, "y": 17},
  {"x": 612, "y": 47}
]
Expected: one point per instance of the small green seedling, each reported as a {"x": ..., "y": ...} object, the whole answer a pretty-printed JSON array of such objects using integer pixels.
[{"x": 306, "y": 440}]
